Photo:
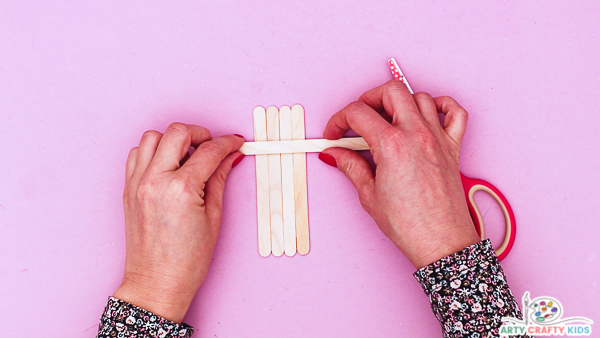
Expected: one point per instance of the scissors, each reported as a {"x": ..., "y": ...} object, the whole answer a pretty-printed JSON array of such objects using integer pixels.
[{"x": 471, "y": 186}]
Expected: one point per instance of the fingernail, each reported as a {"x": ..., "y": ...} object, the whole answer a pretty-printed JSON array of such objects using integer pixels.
[
  {"x": 238, "y": 135},
  {"x": 328, "y": 159},
  {"x": 237, "y": 161}
]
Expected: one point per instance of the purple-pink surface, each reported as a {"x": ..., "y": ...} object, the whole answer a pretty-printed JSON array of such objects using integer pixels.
[{"x": 80, "y": 83}]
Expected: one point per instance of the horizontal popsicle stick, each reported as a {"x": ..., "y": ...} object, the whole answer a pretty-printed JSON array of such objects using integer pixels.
[{"x": 302, "y": 146}]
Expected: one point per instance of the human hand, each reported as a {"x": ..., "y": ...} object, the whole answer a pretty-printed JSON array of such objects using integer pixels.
[
  {"x": 416, "y": 195},
  {"x": 173, "y": 205}
]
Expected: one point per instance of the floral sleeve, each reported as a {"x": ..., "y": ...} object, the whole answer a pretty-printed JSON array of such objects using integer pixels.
[
  {"x": 121, "y": 319},
  {"x": 468, "y": 292}
]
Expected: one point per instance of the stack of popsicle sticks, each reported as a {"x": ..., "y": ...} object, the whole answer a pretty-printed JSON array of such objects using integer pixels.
[
  {"x": 280, "y": 148},
  {"x": 281, "y": 193}
]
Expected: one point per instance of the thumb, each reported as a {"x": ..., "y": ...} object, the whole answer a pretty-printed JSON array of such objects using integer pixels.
[
  {"x": 213, "y": 191},
  {"x": 357, "y": 169}
]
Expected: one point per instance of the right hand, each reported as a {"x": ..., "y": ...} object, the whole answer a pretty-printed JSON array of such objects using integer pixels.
[{"x": 416, "y": 195}]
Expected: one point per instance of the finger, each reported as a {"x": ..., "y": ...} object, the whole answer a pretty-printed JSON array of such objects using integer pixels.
[
  {"x": 396, "y": 100},
  {"x": 184, "y": 159},
  {"x": 359, "y": 117},
  {"x": 130, "y": 166},
  {"x": 455, "y": 122},
  {"x": 208, "y": 156},
  {"x": 146, "y": 151},
  {"x": 358, "y": 171},
  {"x": 427, "y": 108},
  {"x": 176, "y": 143},
  {"x": 213, "y": 192}
]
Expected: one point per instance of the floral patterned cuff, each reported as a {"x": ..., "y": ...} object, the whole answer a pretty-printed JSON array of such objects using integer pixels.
[
  {"x": 121, "y": 319},
  {"x": 468, "y": 292}
]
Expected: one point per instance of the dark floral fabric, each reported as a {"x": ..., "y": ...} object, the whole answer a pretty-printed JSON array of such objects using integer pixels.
[
  {"x": 121, "y": 319},
  {"x": 468, "y": 292}
]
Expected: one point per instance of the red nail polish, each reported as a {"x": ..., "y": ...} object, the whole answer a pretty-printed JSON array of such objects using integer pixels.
[
  {"x": 328, "y": 159},
  {"x": 238, "y": 135},
  {"x": 237, "y": 161}
]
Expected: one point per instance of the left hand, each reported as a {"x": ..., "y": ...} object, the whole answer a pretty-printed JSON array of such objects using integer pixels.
[{"x": 173, "y": 215}]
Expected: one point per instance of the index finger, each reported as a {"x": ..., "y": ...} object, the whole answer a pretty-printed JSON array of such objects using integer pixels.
[
  {"x": 359, "y": 117},
  {"x": 394, "y": 98},
  {"x": 455, "y": 122},
  {"x": 207, "y": 157},
  {"x": 175, "y": 143}
]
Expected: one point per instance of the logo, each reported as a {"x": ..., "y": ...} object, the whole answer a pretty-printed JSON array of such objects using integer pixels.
[{"x": 542, "y": 316}]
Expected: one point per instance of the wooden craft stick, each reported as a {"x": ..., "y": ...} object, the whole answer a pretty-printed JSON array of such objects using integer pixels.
[
  {"x": 300, "y": 191},
  {"x": 262, "y": 185},
  {"x": 302, "y": 146},
  {"x": 287, "y": 183},
  {"x": 275, "y": 197}
]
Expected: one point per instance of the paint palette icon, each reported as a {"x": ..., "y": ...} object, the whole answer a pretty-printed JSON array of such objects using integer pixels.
[{"x": 545, "y": 309}]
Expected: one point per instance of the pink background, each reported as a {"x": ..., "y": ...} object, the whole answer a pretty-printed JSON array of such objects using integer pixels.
[{"x": 80, "y": 83}]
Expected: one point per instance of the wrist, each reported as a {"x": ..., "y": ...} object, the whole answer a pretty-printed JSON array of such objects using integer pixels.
[
  {"x": 442, "y": 244},
  {"x": 163, "y": 298},
  {"x": 426, "y": 242}
]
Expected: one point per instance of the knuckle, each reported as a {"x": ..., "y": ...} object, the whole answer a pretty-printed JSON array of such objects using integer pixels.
[
  {"x": 463, "y": 113},
  {"x": 178, "y": 128},
  {"x": 448, "y": 99},
  {"x": 356, "y": 106},
  {"x": 392, "y": 83},
  {"x": 151, "y": 134},
  {"x": 427, "y": 140},
  {"x": 351, "y": 169},
  {"x": 148, "y": 189},
  {"x": 347, "y": 167},
  {"x": 210, "y": 149},
  {"x": 152, "y": 190},
  {"x": 180, "y": 190},
  {"x": 422, "y": 96},
  {"x": 220, "y": 176},
  {"x": 394, "y": 86},
  {"x": 453, "y": 106},
  {"x": 208, "y": 134},
  {"x": 206, "y": 131},
  {"x": 180, "y": 187}
]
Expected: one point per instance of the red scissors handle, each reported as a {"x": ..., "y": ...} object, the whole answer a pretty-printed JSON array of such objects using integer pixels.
[{"x": 471, "y": 186}]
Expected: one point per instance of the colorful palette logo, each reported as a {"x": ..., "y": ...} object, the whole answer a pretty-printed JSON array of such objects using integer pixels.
[{"x": 545, "y": 310}]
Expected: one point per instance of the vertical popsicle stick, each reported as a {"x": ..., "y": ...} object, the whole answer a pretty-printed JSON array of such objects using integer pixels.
[
  {"x": 275, "y": 197},
  {"x": 262, "y": 185},
  {"x": 287, "y": 183},
  {"x": 300, "y": 190}
]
